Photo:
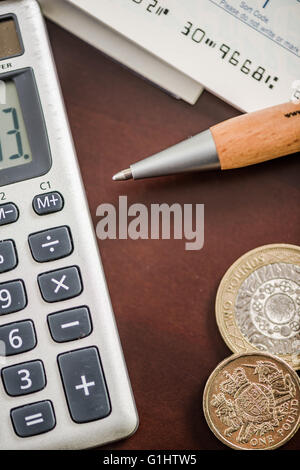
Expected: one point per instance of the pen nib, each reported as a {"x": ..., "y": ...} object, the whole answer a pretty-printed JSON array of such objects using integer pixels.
[{"x": 123, "y": 175}]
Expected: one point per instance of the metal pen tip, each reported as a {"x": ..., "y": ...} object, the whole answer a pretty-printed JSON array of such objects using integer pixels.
[{"x": 123, "y": 175}]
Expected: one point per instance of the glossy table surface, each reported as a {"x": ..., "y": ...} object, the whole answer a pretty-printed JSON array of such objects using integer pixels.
[{"x": 163, "y": 296}]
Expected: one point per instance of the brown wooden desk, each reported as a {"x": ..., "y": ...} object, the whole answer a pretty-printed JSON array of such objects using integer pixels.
[{"x": 163, "y": 296}]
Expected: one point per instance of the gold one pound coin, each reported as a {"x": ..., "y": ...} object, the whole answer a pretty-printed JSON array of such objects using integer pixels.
[
  {"x": 251, "y": 401},
  {"x": 258, "y": 303}
]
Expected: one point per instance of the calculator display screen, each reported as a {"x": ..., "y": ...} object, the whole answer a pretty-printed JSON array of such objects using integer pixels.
[
  {"x": 10, "y": 45},
  {"x": 24, "y": 145},
  {"x": 14, "y": 145}
]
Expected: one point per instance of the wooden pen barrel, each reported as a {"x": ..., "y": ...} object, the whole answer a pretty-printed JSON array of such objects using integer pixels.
[{"x": 259, "y": 136}]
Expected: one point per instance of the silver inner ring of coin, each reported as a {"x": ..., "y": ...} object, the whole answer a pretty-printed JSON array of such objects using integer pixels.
[{"x": 267, "y": 308}]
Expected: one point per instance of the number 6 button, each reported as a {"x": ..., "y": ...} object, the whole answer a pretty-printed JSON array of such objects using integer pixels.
[
  {"x": 24, "y": 378},
  {"x": 17, "y": 338}
]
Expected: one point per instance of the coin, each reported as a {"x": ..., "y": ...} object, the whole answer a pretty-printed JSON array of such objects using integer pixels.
[
  {"x": 252, "y": 401},
  {"x": 258, "y": 303}
]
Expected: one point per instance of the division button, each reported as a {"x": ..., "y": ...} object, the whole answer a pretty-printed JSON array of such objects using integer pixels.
[
  {"x": 8, "y": 256},
  {"x": 84, "y": 385},
  {"x": 70, "y": 325},
  {"x": 51, "y": 244},
  {"x": 23, "y": 379},
  {"x": 8, "y": 213},
  {"x": 61, "y": 284},
  {"x": 48, "y": 203},
  {"x": 30, "y": 420},
  {"x": 12, "y": 297},
  {"x": 16, "y": 338}
]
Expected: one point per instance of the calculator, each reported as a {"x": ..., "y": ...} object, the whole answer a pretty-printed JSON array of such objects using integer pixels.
[{"x": 64, "y": 383}]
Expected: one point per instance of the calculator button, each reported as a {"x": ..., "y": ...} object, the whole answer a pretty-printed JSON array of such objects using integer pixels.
[
  {"x": 84, "y": 385},
  {"x": 12, "y": 297},
  {"x": 24, "y": 378},
  {"x": 51, "y": 244},
  {"x": 8, "y": 213},
  {"x": 70, "y": 324},
  {"x": 8, "y": 256},
  {"x": 61, "y": 284},
  {"x": 48, "y": 203},
  {"x": 30, "y": 420},
  {"x": 17, "y": 338}
]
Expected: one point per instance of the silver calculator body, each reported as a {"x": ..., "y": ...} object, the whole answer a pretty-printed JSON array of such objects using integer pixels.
[{"x": 64, "y": 383}]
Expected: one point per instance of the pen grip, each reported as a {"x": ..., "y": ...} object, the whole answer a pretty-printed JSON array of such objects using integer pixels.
[{"x": 259, "y": 136}]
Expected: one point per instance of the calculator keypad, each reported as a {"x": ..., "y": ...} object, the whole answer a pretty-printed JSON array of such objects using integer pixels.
[
  {"x": 12, "y": 297},
  {"x": 61, "y": 284},
  {"x": 81, "y": 370},
  {"x": 23, "y": 379},
  {"x": 36, "y": 418},
  {"x": 70, "y": 325},
  {"x": 51, "y": 244},
  {"x": 48, "y": 203},
  {"x": 84, "y": 385},
  {"x": 8, "y": 256},
  {"x": 17, "y": 338},
  {"x": 8, "y": 213}
]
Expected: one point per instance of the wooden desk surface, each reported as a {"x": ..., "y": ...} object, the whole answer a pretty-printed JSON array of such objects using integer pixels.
[{"x": 163, "y": 296}]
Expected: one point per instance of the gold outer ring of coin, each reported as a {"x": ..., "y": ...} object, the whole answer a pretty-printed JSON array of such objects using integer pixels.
[
  {"x": 237, "y": 425},
  {"x": 225, "y": 300}
]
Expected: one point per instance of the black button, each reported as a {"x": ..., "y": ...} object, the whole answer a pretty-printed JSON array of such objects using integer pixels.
[
  {"x": 30, "y": 420},
  {"x": 23, "y": 379},
  {"x": 8, "y": 213},
  {"x": 17, "y": 338},
  {"x": 12, "y": 297},
  {"x": 69, "y": 325},
  {"x": 84, "y": 385},
  {"x": 61, "y": 284},
  {"x": 51, "y": 244},
  {"x": 8, "y": 256},
  {"x": 48, "y": 203}
]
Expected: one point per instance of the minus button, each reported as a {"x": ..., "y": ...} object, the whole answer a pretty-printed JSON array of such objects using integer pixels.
[{"x": 70, "y": 325}]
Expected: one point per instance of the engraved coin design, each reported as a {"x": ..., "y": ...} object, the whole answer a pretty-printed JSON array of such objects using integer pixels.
[
  {"x": 258, "y": 303},
  {"x": 252, "y": 401}
]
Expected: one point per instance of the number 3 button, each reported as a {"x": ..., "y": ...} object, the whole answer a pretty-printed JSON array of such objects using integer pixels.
[
  {"x": 24, "y": 378},
  {"x": 17, "y": 338}
]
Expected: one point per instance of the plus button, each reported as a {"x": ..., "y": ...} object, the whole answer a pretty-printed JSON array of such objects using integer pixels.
[{"x": 85, "y": 386}]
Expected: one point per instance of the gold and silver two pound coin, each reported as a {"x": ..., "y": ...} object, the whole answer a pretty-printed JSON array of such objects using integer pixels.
[
  {"x": 252, "y": 401},
  {"x": 258, "y": 303}
]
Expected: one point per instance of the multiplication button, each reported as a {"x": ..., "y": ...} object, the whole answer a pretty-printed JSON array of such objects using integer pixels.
[
  {"x": 84, "y": 385},
  {"x": 61, "y": 284},
  {"x": 70, "y": 325},
  {"x": 30, "y": 420},
  {"x": 51, "y": 244}
]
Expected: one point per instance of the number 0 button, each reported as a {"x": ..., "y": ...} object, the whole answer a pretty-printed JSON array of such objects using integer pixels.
[
  {"x": 24, "y": 378},
  {"x": 12, "y": 297},
  {"x": 17, "y": 338}
]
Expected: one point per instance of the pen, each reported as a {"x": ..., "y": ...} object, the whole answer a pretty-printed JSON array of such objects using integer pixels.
[{"x": 237, "y": 142}]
